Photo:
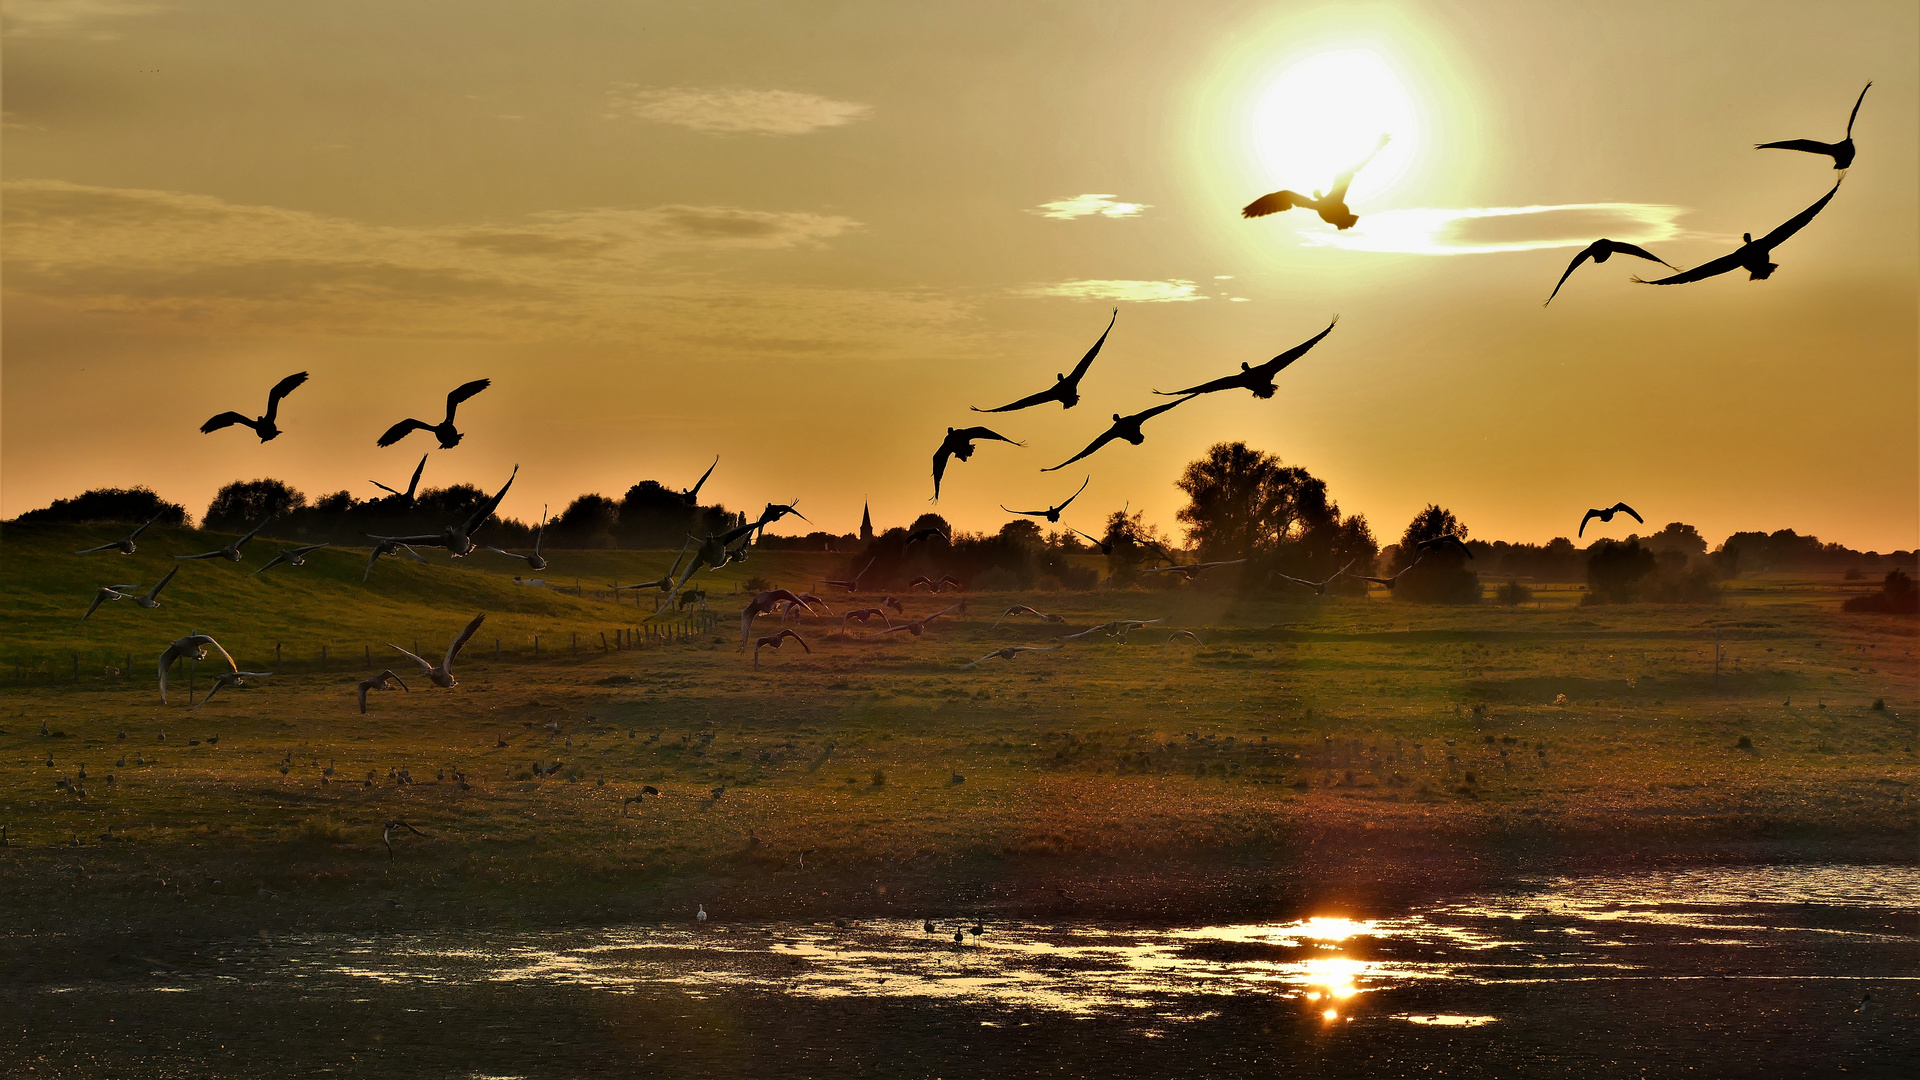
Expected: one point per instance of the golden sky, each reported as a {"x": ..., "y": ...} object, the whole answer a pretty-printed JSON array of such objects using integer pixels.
[{"x": 806, "y": 236}]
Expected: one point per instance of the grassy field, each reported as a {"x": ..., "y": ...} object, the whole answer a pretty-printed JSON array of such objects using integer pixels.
[{"x": 1347, "y": 746}]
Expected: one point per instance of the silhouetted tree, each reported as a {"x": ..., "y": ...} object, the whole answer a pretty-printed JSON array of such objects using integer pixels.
[
  {"x": 1442, "y": 577},
  {"x": 587, "y": 522},
  {"x": 1677, "y": 536},
  {"x": 239, "y": 506},
  {"x": 1022, "y": 532},
  {"x": 1897, "y": 595},
  {"x": 133, "y": 505},
  {"x": 1615, "y": 568}
]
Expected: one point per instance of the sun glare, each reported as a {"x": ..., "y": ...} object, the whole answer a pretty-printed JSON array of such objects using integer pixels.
[{"x": 1322, "y": 115}]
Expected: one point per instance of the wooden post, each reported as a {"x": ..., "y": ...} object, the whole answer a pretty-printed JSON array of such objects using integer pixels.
[
  {"x": 276, "y": 654},
  {"x": 536, "y": 645},
  {"x": 603, "y": 641},
  {"x": 368, "y": 650},
  {"x": 323, "y": 656},
  {"x": 496, "y": 648},
  {"x": 576, "y": 642}
]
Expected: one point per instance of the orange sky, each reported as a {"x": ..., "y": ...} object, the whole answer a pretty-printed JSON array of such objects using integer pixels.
[{"x": 806, "y": 236}]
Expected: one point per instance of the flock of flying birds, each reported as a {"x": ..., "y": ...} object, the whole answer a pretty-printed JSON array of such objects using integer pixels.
[{"x": 714, "y": 551}]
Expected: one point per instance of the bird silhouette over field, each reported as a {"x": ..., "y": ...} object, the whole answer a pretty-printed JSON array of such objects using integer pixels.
[
  {"x": 918, "y": 626},
  {"x": 760, "y": 605},
  {"x": 1124, "y": 427},
  {"x": 853, "y": 586},
  {"x": 389, "y": 547},
  {"x": 386, "y": 680},
  {"x": 262, "y": 426},
  {"x": 1010, "y": 652},
  {"x": 535, "y": 561},
  {"x": 1390, "y": 582},
  {"x": 412, "y": 485},
  {"x": 1022, "y": 609},
  {"x": 1600, "y": 251},
  {"x": 124, "y": 545},
  {"x": 191, "y": 647},
  {"x": 1332, "y": 207},
  {"x": 959, "y": 443},
  {"x": 1841, "y": 152},
  {"x": 290, "y": 557},
  {"x": 386, "y": 835},
  {"x": 1118, "y": 629},
  {"x": 441, "y": 674},
  {"x": 226, "y": 679},
  {"x": 1444, "y": 542},
  {"x": 1051, "y": 513},
  {"x": 1257, "y": 379},
  {"x": 1607, "y": 516},
  {"x": 1187, "y": 570},
  {"x": 772, "y": 641},
  {"x": 231, "y": 552},
  {"x": 862, "y": 616},
  {"x": 1065, "y": 388},
  {"x": 457, "y": 539},
  {"x": 927, "y": 533},
  {"x": 1104, "y": 547},
  {"x": 444, "y": 430},
  {"x": 1319, "y": 587},
  {"x": 150, "y": 599},
  {"x": 1754, "y": 255}
]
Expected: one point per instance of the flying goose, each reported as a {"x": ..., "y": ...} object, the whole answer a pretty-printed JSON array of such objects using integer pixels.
[
  {"x": 918, "y": 626},
  {"x": 959, "y": 443},
  {"x": 1065, "y": 388},
  {"x": 386, "y": 680},
  {"x": 442, "y": 675},
  {"x": 1124, "y": 427},
  {"x": 1022, "y": 609},
  {"x": 106, "y": 593},
  {"x": 149, "y": 600},
  {"x": 1051, "y": 513},
  {"x": 262, "y": 426},
  {"x": 1606, "y": 516},
  {"x": 231, "y": 552},
  {"x": 760, "y": 605},
  {"x": 1105, "y": 548},
  {"x": 457, "y": 539},
  {"x": 191, "y": 647},
  {"x": 444, "y": 430},
  {"x": 1753, "y": 256},
  {"x": 928, "y": 533},
  {"x": 1390, "y": 582},
  {"x": 386, "y": 835},
  {"x": 1841, "y": 152},
  {"x": 389, "y": 547},
  {"x": 1257, "y": 379},
  {"x": 645, "y": 790},
  {"x": 1118, "y": 629},
  {"x": 854, "y": 585},
  {"x": 1600, "y": 251},
  {"x": 124, "y": 545},
  {"x": 290, "y": 556},
  {"x": 229, "y": 678},
  {"x": 862, "y": 615},
  {"x": 1010, "y": 652},
  {"x": 773, "y": 642},
  {"x": 1319, "y": 587},
  {"x": 1187, "y": 570},
  {"x": 714, "y": 551},
  {"x": 1444, "y": 542},
  {"x": 1332, "y": 207},
  {"x": 534, "y": 561},
  {"x": 412, "y": 485},
  {"x": 692, "y": 494}
]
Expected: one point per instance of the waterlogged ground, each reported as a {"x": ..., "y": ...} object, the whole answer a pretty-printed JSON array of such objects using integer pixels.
[{"x": 1754, "y": 971}]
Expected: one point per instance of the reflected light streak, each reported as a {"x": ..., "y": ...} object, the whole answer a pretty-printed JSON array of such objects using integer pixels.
[{"x": 1484, "y": 230}]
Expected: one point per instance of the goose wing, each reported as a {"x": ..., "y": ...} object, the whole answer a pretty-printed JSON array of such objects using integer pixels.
[
  {"x": 424, "y": 666},
  {"x": 225, "y": 419},
  {"x": 401, "y": 430},
  {"x": 460, "y": 642},
  {"x": 1274, "y": 204},
  {"x": 1798, "y": 221},
  {"x": 282, "y": 389},
  {"x": 1629, "y": 511},
  {"x": 463, "y": 392}
]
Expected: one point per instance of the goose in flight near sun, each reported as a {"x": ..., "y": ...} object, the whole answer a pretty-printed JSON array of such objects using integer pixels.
[
  {"x": 1753, "y": 256},
  {"x": 442, "y": 674},
  {"x": 231, "y": 552},
  {"x": 262, "y": 426},
  {"x": 1600, "y": 251},
  {"x": 1332, "y": 207},
  {"x": 959, "y": 443},
  {"x": 124, "y": 545},
  {"x": 1010, "y": 652},
  {"x": 412, "y": 485},
  {"x": 289, "y": 556},
  {"x": 458, "y": 540},
  {"x": 389, "y": 547},
  {"x": 1051, "y": 513},
  {"x": 1065, "y": 388},
  {"x": 229, "y": 678},
  {"x": 1606, "y": 516},
  {"x": 1124, "y": 427},
  {"x": 444, "y": 430},
  {"x": 1257, "y": 379},
  {"x": 1841, "y": 152},
  {"x": 386, "y": 680},
  {"x": 534, "y": 561},
  {"x": 773, "y": 641},
  {"x": 191, "y": 647}
]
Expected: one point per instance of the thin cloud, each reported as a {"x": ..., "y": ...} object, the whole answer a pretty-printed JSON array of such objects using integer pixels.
[
  {"x": 70, "y": 18},
  {"x": 1088, "y": 205},
  {"x": 733, "y": 111},
  {"x": 1488, "y": 229},
  {"x": 1141, "y": 292}
]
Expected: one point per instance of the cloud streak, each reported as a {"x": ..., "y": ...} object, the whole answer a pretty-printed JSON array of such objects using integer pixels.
[
  {"x": 1086, "y": 206},
  {"x": 733, "y": 111},
  {"x": 70, "y": 18},
  {"x": 1172, "y": 290},
  {"x": 1491, "y": 229}
]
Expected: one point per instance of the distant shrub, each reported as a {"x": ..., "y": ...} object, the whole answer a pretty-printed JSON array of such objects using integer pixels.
[
  {"x": 131, "y": 505},
  {"x": 1615, "y": 569},
  {"x": 1441, "y": 578},
  {"x": 996, "y": 579},
  {"x": 1513, "y": 594},
  {"x": 1897, "y": 596},
  {"x": 757, "y": 584}
]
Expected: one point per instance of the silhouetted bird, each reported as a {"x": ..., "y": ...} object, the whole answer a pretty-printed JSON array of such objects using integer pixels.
[
  {"x": 1753, "y": 255},
  {"x": 1189, "y": 569},
  {"x": 1319, "y": 587},
  {"x": 692, "y": 494},
  {"x": 262, "y": 426},
  {"x": 760, "y": 605},
  {"x": 124, "y": 545},
  {"x": 444, "y": 430},
  {"x": 1607, "y": 516},
  {"x": 458, "y": 540},
  {"x": 1010, "y": 652},
  {"x": 1600, "y": 251},
  {"x": 854, "y": 585},
  {"x": 773, "y": 642},
  {"x": 1124, "y": 427},
  {"x": 225, "y": 679},
  {"x": 149, "y": 600},
  {"x": 862, "y": 616},
  {"x": 389, "y": 547},
  {"x": 645, "y": 790},
  {"x": 289, "y": 556},
  {"x": 918, "y": 626},
  {"x": 1390, "y": 582},
  {"x": 231, "y": 552},
  {"x": 928, "y": 533},
  {"x": 442, "y": 674},
  {"x": 1444, "y": 542},
  {"x": 1841, "y": 152},
  {"x": 1331, "y": 207},
  {"x": 191, "y": 647},
  {"x": 1022, "y": 609},
  {"x": 1257, "y": 379},
  {"x": 1051, "y": 513},
  {"x": 386, "y": 680},
  {"x": 534, "y": 561},
  {"x": 1065, "y": 388},
  {"x": 1104, "y": 547},
  {"x": 386, "y": 835},
  {"x": 412, "y": 484},
  {"x": 959, "y": 443}
]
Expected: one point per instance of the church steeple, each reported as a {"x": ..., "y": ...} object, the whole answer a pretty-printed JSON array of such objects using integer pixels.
[{"x": 866, "y": 524}]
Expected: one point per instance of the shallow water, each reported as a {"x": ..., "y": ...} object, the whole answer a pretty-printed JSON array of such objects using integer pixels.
[{"x": 1717, "y": 972}]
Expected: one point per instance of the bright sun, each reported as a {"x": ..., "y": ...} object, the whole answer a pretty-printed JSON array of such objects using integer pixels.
[{"x": 1323, "y": 114}]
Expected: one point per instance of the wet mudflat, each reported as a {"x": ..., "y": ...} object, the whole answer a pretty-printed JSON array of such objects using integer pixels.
[{"x": 1734, "y": 971}]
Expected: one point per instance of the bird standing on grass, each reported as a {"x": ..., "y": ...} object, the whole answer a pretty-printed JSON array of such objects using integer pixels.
[{"x": 262, "y": 426}]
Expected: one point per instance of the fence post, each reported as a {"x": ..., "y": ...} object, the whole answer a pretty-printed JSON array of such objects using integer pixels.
[
  {"x": 276, "y": 654},
  {"x": 496, "y": 648},
  {"x": 536, "y": 644},
  {"x": 576, "y": 642},
  {"x": 368, "y": 651},
  {"x": 603, "y": 641},
  {"x": 323, "y": 657}
]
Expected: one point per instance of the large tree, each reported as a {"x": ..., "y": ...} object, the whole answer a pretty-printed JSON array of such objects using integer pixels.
[
  {"x": 130, "y": 505},
  {"x": 239, "y": 506},
  {"x": 1442, "y": 576},
  {"x": 1248, "y": 504}
]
